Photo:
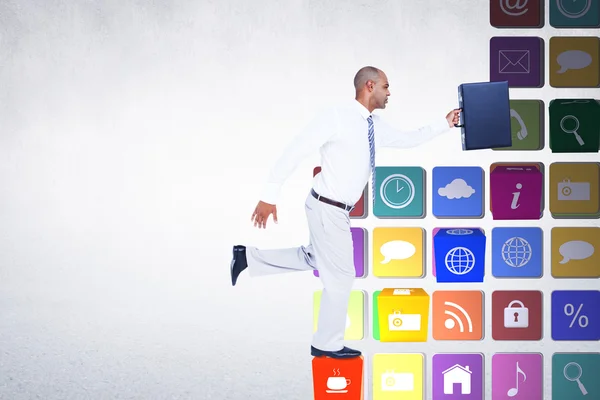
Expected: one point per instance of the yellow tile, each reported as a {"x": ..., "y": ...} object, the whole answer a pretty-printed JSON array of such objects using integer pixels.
[
  {"x": 355, "y": 318},
  {"x": 575, "y": 252},
  {"x": 403, "y": 315},
  {"x": 574, "y": 188},
  {"x": 398, "y": 252},
  {"x": 398, "y": 376},
  {"x": 574, "y": 61}
]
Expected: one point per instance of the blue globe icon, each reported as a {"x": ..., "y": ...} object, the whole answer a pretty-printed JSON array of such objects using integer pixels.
[
  {"x": 460, "y": 260},
  {"x": 516, "y": 252}
]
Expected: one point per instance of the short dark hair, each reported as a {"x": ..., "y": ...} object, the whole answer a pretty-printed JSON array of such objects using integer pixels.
[{"x": 365, "y": 74}]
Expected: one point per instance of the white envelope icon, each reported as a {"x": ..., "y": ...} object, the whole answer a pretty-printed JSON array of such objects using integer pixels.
[{"x": 513, "y": 61}]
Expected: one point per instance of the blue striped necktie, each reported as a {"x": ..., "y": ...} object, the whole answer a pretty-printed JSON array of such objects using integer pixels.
[{"x": 372, "y": 151}]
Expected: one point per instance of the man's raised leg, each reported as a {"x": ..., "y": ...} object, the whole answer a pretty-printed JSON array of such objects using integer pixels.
[{"x": 271, "y": 261}]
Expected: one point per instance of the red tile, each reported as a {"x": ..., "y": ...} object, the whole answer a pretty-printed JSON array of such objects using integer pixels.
[{"x": 339, "y": 379}]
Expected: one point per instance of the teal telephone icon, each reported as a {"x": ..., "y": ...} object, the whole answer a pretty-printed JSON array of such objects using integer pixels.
[{"x": 522, "y": 132}]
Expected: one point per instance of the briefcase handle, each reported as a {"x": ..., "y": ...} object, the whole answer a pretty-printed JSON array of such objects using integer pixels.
[{"x": 460, "y": 119}]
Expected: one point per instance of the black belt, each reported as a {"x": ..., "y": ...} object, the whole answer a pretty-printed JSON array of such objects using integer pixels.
[{"x": 332, "y": 202}]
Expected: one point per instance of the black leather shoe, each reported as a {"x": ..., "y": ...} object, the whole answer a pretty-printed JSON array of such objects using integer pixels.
[
  {"x": 345, "y": 352},
  {"x": 238, "y": 263}
]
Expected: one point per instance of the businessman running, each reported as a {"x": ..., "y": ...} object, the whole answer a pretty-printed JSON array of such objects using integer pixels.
[{"x": 347, "y": 137}]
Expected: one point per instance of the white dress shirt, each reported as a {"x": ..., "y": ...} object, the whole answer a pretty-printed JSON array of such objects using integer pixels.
[{"x": 341, "y": 135}]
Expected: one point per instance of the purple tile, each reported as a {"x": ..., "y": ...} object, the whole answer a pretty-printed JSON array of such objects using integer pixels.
[
  {"x": 358, "y": 241},
  {"x": 518, "y": 60},
  {"x": 517, "y": 376},
  {"x": 458, "y": 376},
  {"x": 516, "y": 192}
]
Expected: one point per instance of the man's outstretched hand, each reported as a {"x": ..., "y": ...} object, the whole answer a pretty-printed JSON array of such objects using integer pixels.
[
  {"x": 453, "y": 117},
  {"x": 262, "y": 212}
]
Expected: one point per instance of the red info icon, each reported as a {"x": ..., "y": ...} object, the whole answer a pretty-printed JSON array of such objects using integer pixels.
[
  {"x": 338, "y": 378},
  {"x": 517, "y": 13},
  {"x": 359, "y": 209}
]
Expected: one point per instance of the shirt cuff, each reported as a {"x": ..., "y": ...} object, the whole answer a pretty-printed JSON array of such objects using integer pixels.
[
  {"x": 442, "y": 126},
  {"x": 270, "y": 193}
]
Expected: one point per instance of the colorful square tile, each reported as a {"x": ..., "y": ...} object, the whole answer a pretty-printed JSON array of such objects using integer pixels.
[
  {"x": 517, "y": 315},
  {"x": 575, "y": 376},
  {"x": 527, "y": 125},
  {"x": 458, "y": 192},
  {"x": 575, "y": 315},
  {"x": 517, "y": 13},
  {"x": 575, "y": 13},
  {"x": 575, "y": 189},
  {"x": 517, "y": 252},
  {"x": 575, "y": 252},
  {"x": 335, "y": 378},
  {"x": 574, "y": 125},
  {"x": 518, "y": 376},
  {"x": 458, "y": 376},
  {"x": 398, "y": 252},
  {"x": 400, "y": 192},
  {"x": 516, "y": 192},
  {"x": 457, "y": 315},
  {"x": 398, "y": 376},
  {"x": 517, "y": 60},
  {"x": 574, "y": 61}
]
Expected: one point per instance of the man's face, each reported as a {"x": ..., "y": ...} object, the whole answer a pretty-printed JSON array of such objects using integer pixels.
[{"x": 381, "y": 91}]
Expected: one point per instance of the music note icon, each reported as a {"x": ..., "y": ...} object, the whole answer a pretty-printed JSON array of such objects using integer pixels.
[
  {"x": 529, "y": 376},
  {"x": 514, "y": 391}
]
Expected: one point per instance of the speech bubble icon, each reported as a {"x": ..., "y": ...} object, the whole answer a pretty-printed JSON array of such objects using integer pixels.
[
  {"x": 397, "y": 250},
  {"x": 575, "y": 250},
  {"x": 573, "y": 59}
]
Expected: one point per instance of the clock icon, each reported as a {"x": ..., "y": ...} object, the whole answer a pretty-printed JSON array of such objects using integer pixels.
[
  {"x": 397, "y": 191},
  {"x": 573, "y": 8}
]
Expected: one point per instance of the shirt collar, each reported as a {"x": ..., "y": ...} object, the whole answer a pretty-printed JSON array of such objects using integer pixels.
[{"x": 362, "y": 109}]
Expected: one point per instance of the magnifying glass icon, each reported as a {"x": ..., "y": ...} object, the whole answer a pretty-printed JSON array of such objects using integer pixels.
[
  {"x": 574, "y": 130},
  {"x": 576, "y": 377}
]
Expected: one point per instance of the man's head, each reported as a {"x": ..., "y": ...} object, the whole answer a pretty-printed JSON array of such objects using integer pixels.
[{"x": 372, "y": 87}]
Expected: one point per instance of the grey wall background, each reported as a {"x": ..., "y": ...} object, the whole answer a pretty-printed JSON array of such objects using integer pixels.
[{"x": 135, "y": 138}]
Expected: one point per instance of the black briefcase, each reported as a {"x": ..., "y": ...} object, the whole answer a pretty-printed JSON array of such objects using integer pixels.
[{"x": 485, "y": 116}]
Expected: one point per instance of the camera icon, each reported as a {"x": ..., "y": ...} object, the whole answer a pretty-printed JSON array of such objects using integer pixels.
[
  {"x": 397, "y": 381},
  {"x": 577, "y": 191},
  {"x": 404, "y": 322}
]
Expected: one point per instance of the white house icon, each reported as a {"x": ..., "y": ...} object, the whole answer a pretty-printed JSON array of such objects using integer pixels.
[{"x": 457, "y": 374}]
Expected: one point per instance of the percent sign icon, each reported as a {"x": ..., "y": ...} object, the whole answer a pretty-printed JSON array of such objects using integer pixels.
[{"x": 583, "y": 319}]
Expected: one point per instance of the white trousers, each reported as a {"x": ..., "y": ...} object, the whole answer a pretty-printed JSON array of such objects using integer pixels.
[{"x": 330, "y": 251}]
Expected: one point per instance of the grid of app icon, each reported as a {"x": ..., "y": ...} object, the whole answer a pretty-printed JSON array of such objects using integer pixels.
[{"x": 514, "y": 195}]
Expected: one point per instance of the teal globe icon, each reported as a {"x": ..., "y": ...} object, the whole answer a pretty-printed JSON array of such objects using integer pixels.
[
  {"x": 516, "y": 252},
  {"x": 460, "y": 260}
]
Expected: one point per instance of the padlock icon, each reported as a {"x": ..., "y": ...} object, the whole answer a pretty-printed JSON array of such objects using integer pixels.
[{"x": 516, "y": 317}]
